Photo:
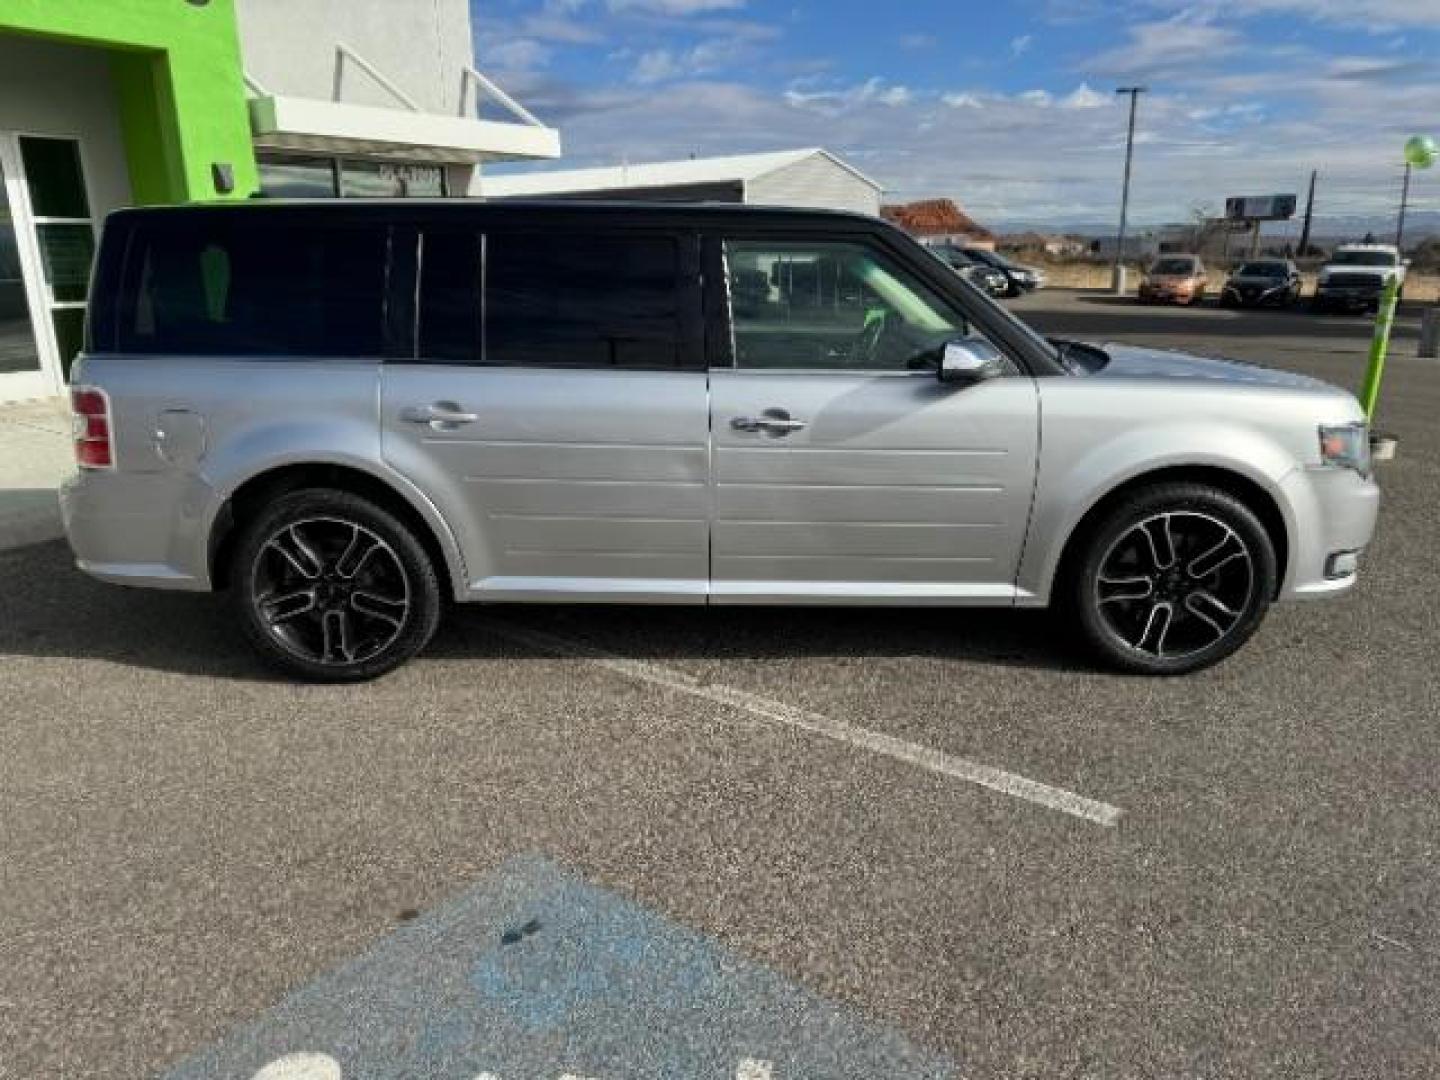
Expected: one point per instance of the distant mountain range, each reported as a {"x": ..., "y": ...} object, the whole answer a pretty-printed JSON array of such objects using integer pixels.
[{"x": 1327, "y": 229}]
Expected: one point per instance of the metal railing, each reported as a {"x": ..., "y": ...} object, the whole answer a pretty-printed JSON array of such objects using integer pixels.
[
  {"x": 343, "y": 52},
  {"x": 483, "y": 86},
  {"x": 469, "y": 76}
]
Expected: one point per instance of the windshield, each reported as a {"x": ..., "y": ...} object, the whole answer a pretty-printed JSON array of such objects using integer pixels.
[
  {"x": 1174, "y": 267},
  {"x": 952, "y": 257},
  {"x": 1363, "y": 258},
  {"x": 1262, "y": 269},
  {"x": 989, "y": 258}
]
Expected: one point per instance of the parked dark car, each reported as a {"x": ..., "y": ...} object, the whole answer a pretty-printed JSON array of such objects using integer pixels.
[
  {"x": 1022, "y": 279},
  {"x": 1262, "y": 283},
  {"x": 982, "y": 275}
]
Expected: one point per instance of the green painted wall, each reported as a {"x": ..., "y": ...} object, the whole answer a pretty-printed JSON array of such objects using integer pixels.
[{"x": 178, "y": 82}]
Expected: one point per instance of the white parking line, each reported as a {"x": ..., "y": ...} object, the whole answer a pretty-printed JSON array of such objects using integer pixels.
[{"x": 1008, "y": 783}]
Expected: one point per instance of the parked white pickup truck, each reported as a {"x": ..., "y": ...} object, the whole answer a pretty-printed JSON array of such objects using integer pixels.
[{"x": 1356, "y": 275}]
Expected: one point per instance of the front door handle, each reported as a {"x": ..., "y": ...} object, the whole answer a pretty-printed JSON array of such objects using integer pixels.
[
  {"x": 771, "y": 421},
  {"x": 441, "y": 416}
]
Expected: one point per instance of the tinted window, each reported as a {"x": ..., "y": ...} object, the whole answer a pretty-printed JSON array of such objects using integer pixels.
[
  {"x": 449, "y": 292},
  {"x": 569, "y": 300},
  {"x": 1364, "y": 258},
  {"x": 832, "y": 306},
  {"x": 246, "y": 284},
  {"x": 1262, "y": 269}
]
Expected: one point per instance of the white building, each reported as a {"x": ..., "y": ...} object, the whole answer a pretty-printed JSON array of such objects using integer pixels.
[
  {"x": 105, "y": 103},
  {"x": 810, "y": 177},
  {"x": 374, "y": 98}
]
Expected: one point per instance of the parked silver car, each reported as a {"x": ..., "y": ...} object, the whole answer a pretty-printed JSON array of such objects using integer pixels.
[{"x": 344, "y": 412}]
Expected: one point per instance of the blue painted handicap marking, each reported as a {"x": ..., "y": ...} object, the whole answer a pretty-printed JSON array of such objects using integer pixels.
[{"x": 535, "y": 975}]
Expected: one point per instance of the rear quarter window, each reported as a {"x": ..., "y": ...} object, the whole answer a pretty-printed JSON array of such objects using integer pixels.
[{"x": 242, "y": 285}]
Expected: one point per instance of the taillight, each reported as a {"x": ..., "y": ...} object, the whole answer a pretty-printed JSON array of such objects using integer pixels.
[{"x": 94, "y": 434}]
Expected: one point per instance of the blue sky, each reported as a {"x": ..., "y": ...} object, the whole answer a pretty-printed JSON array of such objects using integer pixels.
[{"x": 1006, "y": 106}]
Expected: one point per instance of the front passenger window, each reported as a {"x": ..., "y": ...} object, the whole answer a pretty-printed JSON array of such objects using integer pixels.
[{"x": 833, "y": 306}]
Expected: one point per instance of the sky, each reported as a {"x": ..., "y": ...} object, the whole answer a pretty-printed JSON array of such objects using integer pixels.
[{"x": 1006, "y": 106}]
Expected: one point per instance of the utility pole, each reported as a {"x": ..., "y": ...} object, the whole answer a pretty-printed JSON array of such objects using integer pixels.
[
  {"x": 1309, "y": 216},
  {"x": 1404, "y": 200},
  {"x": 1134, "y": 92}
]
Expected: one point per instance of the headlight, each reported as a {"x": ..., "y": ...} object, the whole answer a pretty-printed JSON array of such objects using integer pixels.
[{"x": 1346, "y": 446}]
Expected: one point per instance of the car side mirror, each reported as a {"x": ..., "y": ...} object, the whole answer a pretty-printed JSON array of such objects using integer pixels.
[{"x": 970, "y": 360}]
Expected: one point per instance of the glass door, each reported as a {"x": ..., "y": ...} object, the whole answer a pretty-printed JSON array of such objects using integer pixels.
[
  {"x": 21, "y": 374},
  {"x": 47, "y": 245}
]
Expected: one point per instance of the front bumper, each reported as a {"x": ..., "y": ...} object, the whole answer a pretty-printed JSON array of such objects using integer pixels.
[
  {"x": 1334, "y": 513},
  {"x": 1348, "y": 295},
  {"x": 1253, "y": 298},
  {"x": 1164, "y": 292}
]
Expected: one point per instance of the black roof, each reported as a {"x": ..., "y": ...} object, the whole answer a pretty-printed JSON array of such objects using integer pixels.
[{"x": 406, "y": 209}]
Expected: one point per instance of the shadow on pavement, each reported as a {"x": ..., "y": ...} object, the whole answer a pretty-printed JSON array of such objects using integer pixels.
[{"x": 53, "y": 610}]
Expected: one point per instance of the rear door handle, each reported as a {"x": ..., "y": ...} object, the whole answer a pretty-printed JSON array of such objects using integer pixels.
[
  {"x": 771, "y": 421},
  {"x": 440, "y": 416}
]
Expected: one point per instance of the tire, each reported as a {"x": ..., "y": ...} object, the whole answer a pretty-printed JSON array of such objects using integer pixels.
[
  {"x": 328, "y": 587},
  {"x": 1144, "y": 610}
]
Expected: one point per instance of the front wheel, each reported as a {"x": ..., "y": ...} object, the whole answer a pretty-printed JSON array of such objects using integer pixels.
[
  {"x": 330, "y": 587},
  {"x": 1173, "y": 579}
]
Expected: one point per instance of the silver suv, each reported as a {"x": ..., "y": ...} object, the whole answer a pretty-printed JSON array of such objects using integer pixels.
[{"x": 345, "y": 413}]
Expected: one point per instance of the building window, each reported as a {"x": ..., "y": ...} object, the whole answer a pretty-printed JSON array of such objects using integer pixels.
[
  {"x": 297, "y": 177},
  {"x": 292, "y": 176},
  {"x": 391, "y": 179}
]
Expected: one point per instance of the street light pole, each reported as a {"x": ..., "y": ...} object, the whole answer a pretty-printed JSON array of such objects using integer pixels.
[
  {"x": 1134, "y": 92},
  {"x": 1404, "y": 201}
]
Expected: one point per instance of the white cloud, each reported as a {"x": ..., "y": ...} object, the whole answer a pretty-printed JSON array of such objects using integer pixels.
[
  {"x": 1373, "y": 15},
  {"x": 1021, "y": 45},
  {"x": 1082, "y": 97},
  {"x": 657, "y": 65},
  {"x": 519, "y": 54},
  {"x": 874, "y": 91},
  {"x": 667, "y": 65},
  {"x": 963, "y": 101},
  {"x": 1156, "y": 47},
  {"x": 918, "y": 41}
]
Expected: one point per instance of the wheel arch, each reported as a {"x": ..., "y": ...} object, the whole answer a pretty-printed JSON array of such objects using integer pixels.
[
  {"x": 264, "y": 486},
  {"x": 1252, "y": 494}
]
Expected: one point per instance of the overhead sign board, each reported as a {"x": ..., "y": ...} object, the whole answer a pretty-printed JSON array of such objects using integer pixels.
[{"x": 1260, "y": 207}]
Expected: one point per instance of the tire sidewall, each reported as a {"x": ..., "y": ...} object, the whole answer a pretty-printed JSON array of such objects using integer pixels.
[
  {"x": 426, "y": 601},
  {"x": 1147, "y": 503}
]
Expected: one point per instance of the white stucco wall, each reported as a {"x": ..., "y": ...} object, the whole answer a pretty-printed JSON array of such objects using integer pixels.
[
  {"x": 419, "y": 45},
  {"x": 66, "y": 90}
]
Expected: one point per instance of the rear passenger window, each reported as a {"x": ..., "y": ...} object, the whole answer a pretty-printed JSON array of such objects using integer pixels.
[
  {"x": 582, "y": 301},
  {"x": 449, "y": 331},
  {"x": 243, "y": 285}
]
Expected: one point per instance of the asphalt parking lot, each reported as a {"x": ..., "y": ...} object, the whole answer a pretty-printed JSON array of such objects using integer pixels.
[{"x": 808, "y": 807}]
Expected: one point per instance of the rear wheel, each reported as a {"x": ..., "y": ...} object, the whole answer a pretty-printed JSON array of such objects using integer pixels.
[
  {"x": 331, "y": 588},
  {"x": 1174, "y": 579}
]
